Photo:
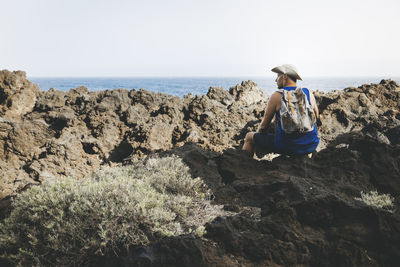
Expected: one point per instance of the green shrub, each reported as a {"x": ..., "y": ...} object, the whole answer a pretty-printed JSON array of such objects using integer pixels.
[
  {"x": 68, "y": 221},
  {"x": 373, "y": 198}
]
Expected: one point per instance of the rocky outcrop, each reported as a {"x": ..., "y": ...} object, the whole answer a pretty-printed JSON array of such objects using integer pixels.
[
  {"x": 289, "y": 211},
  {"x": 56, "y": 134},
  {"x": 292, "y": 211},
  {"x": 17, "y": 94},
  {"x": 371, "y": 108},
  {"x": 296, "y": 211}
]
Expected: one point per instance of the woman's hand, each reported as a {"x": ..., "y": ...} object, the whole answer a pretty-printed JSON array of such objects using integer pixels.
[{"x": 270, "y": 111}]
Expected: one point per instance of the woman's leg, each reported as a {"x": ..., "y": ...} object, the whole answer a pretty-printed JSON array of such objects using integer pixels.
[
  {"x": 264, "y": 143},
  {"x": 249, "y": 143}
]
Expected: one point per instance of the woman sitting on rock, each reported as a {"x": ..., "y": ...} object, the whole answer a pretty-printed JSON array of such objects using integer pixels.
[{"x": 296, "y": 112}]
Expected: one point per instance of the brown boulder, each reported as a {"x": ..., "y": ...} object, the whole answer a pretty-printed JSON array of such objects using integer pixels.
[{"x": 17, "y": 94}]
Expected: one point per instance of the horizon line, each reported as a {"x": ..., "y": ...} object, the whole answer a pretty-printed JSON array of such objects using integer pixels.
[{"x": 202, "y": 76}]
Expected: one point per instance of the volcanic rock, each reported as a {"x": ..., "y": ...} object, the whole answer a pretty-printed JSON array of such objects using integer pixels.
[
  {"x": 17, "y": 94},
  {"x": 296, "y": 211},
  {"x": 291, "y": 211},
  {"x": 72, "y": 133}
]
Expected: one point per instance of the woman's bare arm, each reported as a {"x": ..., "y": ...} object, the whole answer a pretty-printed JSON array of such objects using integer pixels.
[
  {"x": 314, "y": 105},
  {"x": 269, "y": 111}
]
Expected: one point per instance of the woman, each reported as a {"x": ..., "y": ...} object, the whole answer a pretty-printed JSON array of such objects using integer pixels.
[{"x": 281, "y": 142}]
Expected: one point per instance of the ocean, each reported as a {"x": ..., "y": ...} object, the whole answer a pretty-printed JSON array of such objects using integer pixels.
[{"x": 180, "y": 86}]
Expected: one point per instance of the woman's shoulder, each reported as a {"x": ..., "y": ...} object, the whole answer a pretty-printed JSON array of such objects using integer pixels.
[{"x": 277, "y": 95}]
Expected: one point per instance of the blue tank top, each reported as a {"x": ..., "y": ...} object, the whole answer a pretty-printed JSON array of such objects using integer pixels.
[{"x": 296, "y": 143}]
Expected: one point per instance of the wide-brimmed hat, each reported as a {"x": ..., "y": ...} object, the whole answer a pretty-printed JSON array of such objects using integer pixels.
[{"x": 288, "y": 69}]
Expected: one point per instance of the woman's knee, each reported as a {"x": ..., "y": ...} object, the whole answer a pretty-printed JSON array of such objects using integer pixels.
[{"x": 249, "y": 137}]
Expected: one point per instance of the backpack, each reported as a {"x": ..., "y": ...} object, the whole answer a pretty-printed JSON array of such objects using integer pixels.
[{"x": 296, "y": 113}]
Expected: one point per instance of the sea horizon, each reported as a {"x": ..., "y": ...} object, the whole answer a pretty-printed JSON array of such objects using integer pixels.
[{"x": 180, "y": 86}]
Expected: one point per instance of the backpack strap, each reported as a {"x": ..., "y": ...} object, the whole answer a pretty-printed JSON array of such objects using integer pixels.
[
  {"x": 299, "y": 91},
  {"x": 290, "y": 103},
  {"x": 286, "y": 97}
]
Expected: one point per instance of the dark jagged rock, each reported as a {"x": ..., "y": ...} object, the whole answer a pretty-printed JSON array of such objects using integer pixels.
[
  {"x": 292, "y": 211},
  {"x": 301, "y": 211},
  {"x": 289, "y": 211}
]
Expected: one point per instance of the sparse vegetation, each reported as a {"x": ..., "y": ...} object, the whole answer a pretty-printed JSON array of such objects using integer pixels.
[
  {"x": 66, "y": 222},
  {"x": 373, "y": 198}
]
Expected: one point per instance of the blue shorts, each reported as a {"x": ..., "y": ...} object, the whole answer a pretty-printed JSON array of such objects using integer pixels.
[{"x": 265, "y": 143}]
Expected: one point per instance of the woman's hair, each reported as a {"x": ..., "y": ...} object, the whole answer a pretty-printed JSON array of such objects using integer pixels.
[{"x": 293, "y": 79}]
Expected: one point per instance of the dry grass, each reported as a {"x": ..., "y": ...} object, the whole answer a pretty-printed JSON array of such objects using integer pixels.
[
  {"x": 374, "y": 199},
  {"x": 68, "y": 222}
]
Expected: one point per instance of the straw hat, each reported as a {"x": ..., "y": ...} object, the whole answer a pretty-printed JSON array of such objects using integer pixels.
[{"x": 288, "y": 69}]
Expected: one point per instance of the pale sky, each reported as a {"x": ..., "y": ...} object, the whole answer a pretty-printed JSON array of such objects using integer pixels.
[{"x": 200, "y": 37}]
